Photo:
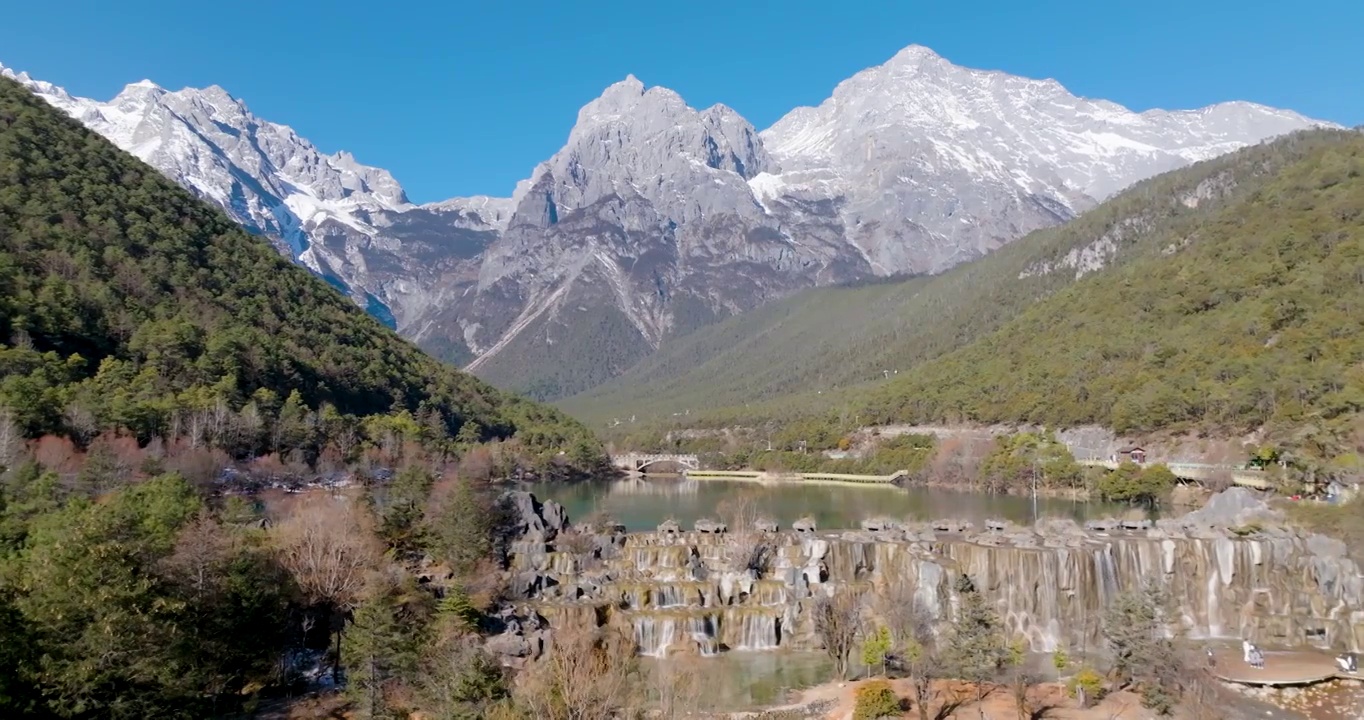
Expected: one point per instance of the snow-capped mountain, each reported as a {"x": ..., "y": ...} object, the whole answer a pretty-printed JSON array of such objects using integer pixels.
[
  {"x": 656, "y": 217},
  {"x": 345, "y": 220},
  {"x": 938, "y": 163}
]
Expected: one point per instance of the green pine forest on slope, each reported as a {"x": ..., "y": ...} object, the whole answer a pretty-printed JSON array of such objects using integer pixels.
[
  {"x": 1234, "y": 300},
  {"x": 129, "y": 306}
]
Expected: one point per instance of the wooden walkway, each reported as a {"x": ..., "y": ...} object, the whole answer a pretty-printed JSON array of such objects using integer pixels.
[{"x": 1282, "y": 668}]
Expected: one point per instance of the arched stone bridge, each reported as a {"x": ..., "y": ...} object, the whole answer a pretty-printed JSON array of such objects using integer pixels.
[{"x": 637, "y": 462}]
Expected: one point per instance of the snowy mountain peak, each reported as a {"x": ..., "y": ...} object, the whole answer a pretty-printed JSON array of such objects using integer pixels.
[
  {"x": 647, "y": 143},
  {"x": 141, "y": 91},
  {"x": 266, "y": 176},
  {"x": 1032, "y": 134},
  {"x": 36, "y": 86},
  {"x": 914, "y": 55},
  {"x": 629, "y": 99}
]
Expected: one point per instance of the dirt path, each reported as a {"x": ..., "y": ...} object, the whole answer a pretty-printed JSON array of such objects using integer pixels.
[{"x": 838, "y": 697}]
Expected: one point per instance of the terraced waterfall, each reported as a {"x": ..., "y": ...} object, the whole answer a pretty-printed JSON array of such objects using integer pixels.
[{"x": 692, "y": 591}]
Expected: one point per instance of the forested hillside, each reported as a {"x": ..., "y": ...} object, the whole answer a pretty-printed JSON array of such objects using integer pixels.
[
  {"x": 1254, "y": 317},
  {"x": 834, "y": 348},
  {"x": 127, "y": 305}
]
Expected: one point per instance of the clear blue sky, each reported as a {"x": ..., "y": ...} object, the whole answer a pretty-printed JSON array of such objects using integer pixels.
[{"x": 460, "y": 98}]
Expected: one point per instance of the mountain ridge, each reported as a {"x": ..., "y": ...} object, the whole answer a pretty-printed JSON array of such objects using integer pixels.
[
  {"x": 831, "y": 347},
  {"x": 655, "y": 217}
]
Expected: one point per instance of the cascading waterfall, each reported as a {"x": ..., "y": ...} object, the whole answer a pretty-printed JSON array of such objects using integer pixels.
[
  {"x": 680, "y": 593},
  {"x": 658, "y": 634},
  {"x": 752, "y": 631}
]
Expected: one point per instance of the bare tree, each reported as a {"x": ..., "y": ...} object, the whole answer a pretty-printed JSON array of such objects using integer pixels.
[
  {"x": 588, "y": 674},
  {"x": 81, "y": 422},
  {"x": 327, "y": 545},
  {"x": 197, "y": 558},
  {"x": 746, "y": 547},
  {"x": 677, "y": 686},
  {"x": 1030, "y": 702},
  {"x": 915, "y": 650},
  {"x": 1219, "y": 480},
  {"x": 200, "y": 466},
  {"x": 837, "y": 618},
  {"x": 11, "y": 440}
]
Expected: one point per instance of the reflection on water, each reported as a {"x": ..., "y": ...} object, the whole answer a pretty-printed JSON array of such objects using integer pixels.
[
  {"x": 738, "y": 681},
  {"x": 641, "y": 504}
]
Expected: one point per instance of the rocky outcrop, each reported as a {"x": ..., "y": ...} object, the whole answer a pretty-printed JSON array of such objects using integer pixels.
[{"x": 535, "y": 522}]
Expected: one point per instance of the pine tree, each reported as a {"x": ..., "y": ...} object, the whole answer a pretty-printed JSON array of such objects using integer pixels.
[
  {"x": 375, "y": 650},
  {"x": 975, "y": 650},
  {"x": 463, "y": 528}
]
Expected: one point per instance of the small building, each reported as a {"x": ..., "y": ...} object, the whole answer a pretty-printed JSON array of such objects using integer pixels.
[{"x": 1132, "y": 454}]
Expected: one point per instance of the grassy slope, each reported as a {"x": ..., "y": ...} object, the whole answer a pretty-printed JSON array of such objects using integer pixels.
[
  {"x": 786, "y": 357},
  {"x": 120, "y": 290}
]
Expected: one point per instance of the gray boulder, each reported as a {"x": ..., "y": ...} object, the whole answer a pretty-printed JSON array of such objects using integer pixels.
[
  {"x": 1231, "y": 508},
  {"x": 669, "y": 527},
  {"x": 804, "y": 525}
]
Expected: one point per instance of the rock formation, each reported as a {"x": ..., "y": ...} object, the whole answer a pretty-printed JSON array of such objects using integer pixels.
[{"x": 692, "y": 590}]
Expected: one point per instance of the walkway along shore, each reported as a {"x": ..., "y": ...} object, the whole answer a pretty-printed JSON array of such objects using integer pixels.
[{"x": 771, "y": 478}]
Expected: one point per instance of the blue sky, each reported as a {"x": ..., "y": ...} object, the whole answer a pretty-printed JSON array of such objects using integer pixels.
[{"x": 460, "y": 98}]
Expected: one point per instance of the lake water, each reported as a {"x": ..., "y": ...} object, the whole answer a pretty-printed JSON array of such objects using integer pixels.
[{"x": 641, "y": 504}]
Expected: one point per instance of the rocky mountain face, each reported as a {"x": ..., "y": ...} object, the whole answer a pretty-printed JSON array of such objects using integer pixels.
[{"x": 655, "y": 218}]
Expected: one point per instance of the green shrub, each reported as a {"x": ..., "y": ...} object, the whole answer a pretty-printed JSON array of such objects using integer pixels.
[{"x": 875, "y": 699}]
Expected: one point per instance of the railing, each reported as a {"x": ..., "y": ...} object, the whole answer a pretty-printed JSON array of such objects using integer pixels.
[{"x": 795, "y": 477}]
